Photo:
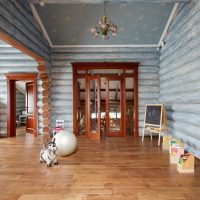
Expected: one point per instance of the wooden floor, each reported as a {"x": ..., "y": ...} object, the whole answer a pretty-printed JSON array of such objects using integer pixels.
[
  {"x": 110, "y": 169},
  {"x": 21, "y": 130}
]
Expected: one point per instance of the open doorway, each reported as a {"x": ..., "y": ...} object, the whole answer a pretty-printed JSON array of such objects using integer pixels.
[
  {"x": 24, "y": 115},
  {"x": 24, "y": 107},
  {"x": 20, "y": 108}
]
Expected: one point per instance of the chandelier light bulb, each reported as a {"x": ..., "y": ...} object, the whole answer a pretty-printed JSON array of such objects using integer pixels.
[
  {"x": 114, "y": 29},
  {"x": 114, "y": 34},
  {"x": 96, "y": 35},
  {"x": 93, "y": 30},
  {"x": 41, "y": 3},
  {"x": 104, "y": 26}
]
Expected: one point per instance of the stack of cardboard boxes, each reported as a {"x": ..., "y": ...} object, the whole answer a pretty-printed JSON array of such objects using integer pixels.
[
  {"x": 185, "y": 162},
  {"x": 176, "y": 150}
]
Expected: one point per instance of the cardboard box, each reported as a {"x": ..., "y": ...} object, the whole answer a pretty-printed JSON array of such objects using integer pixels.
[
  {"x": 176, "y": 150},
  {"x": 166, "y": 140},
  {"x": 186, "y": 163},
  {"x": 175, "y": 143}
]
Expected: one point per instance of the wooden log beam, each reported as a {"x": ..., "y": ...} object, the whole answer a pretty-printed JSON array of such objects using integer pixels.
[
  {"x": 29, "y": 32},
  {"x": 46, "y": 129},
  {"x": 45, "y": 85},
  {"x": 43, "y": 75},
  {"x": 45, "y": 106},
  {"x": 89, "y": 56},
  {"x": 45, "y": 138},
  {"x": 13, "y": 31},
  {"x": 103, "y": 50},
  {"x": 45, "y": 79},
  {"x": 17, "y": 45},
  {"x": 45, "y": 122},
  {"x": 45, "y": 100},
  {"x": 45, "y": 114},
  {"x": 100, "y": 1},
  {"x": 41, "y": 68},
  {"x": 45, "y": 93}
]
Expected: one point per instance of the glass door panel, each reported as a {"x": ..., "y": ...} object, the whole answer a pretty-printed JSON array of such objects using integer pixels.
[
  {"x": 103, "y": 106},
  {"x": 93, "y": 107},
  {"x": 114, "y": 107},
  {"x": 129, "y": 93},
  {"x": 80, "y": 100}
]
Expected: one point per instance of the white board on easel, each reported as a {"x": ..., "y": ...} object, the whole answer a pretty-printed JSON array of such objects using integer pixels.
[{"x": 154, "y": 120}]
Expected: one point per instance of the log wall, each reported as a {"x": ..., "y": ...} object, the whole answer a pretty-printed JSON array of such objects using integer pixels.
[
  {"x": 14, "y": 61},
  {"x": 180, "y": 76},
  {"x": 19, "y": 24},
  {"x": 20, "y": 103},
  {"x": 61, "y": 75}
]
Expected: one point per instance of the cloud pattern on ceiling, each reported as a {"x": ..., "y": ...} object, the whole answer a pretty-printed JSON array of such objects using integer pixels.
[{"x": 138, "y": 23}]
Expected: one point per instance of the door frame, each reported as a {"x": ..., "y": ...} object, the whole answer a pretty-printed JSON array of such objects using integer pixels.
[
  {"x": 107, "y": 65},
  {"x": 11, "y": 100}
]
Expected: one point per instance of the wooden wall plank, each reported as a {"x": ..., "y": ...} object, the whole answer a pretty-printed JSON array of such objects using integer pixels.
[
  {"x": 62, "y": 84},
  {"x": 19, "y": 28},
  {"x": 18, "y": 23},
  {"x": 180, "y": 76}
]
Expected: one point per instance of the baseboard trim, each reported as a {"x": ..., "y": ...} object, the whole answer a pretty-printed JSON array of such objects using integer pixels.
[{"x": 3, "y": 136}]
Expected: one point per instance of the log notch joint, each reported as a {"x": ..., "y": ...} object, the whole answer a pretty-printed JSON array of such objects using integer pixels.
[{"x": 43, "y": 75}]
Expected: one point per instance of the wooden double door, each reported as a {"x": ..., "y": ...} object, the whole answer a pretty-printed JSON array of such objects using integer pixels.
[
  {"x": 104, "y": 106},
  {"x": 105, "y": 99}
]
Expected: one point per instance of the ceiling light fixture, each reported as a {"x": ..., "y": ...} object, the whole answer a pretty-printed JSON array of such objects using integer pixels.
[
  {"x": 41, "y": 3},
  {"x": 105, "y": 27}
]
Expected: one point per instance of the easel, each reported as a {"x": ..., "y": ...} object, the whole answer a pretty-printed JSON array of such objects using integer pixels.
[{"x": 155, "y": 128}]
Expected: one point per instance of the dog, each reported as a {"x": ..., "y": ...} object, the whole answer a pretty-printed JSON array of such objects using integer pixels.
[{"x": 48, "y": 154}]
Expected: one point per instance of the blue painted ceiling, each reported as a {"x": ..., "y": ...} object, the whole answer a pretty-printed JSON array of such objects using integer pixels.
[{"x": 138, "y": 23}]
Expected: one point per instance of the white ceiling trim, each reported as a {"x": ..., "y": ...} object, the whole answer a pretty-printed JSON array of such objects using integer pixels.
[
  {"x": 171, "y": 17},
  {"x": 39, "y": 21},
  {"x": 126, "y": 45},
  {"x": 101, "y": 1}
]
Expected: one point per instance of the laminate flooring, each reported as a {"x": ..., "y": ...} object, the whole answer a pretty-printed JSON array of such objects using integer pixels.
[{"x": 113, "y": 168}]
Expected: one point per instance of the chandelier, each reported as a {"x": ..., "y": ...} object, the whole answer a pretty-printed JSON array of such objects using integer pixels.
[{"x": 105, "y": 26}]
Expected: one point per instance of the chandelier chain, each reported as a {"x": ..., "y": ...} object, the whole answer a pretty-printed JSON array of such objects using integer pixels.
[{"x": 104, "y": 8}]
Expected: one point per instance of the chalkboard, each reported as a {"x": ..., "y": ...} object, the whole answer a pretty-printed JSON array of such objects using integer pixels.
[
  {"x": 153, "y": 114},
  {"x": 154, "y": 120}
]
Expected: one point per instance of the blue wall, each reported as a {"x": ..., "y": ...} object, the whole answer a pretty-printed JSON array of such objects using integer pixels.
[
  {"x": 174, "y": 80},
  {"x": 20, "y": 103},
  {"x": 14, "y": 61},
  {"x": 180, "y": 76},
  {"x": 17, "y": 22},
  {"x": 61, "y": 73}
]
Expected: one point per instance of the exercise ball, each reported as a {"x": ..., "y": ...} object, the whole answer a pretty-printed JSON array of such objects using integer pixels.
[{"x": 66, "y": 143}]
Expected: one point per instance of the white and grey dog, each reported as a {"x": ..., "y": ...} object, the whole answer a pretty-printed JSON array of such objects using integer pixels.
[{"x": 48, "y": 154}]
